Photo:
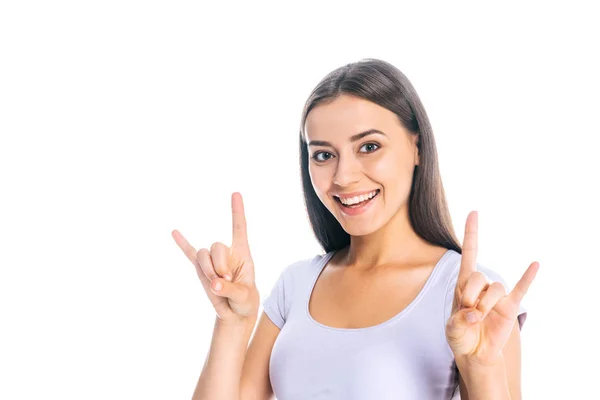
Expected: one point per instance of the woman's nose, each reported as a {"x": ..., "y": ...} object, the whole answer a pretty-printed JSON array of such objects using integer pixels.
[{"x": 347, "y": 172}]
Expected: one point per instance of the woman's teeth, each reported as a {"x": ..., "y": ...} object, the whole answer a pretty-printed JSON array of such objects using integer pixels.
[{"x": 357, "y": 200}]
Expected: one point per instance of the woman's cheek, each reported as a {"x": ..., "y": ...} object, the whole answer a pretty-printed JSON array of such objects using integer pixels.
[
  {"x": 381, "y": 168},
  {"x": 320, "y": 184}
]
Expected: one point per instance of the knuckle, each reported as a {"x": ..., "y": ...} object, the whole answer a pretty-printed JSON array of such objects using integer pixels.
[
  {"x": 477, "y": 280},
  {"x": 219, "y": 255},
  {"x": 497, "y": 287},
  {"x": 479, "y": 276},
  {"x": 204, "y": 261},
  {"x": 202, "y": 253},
  {"x": 216, "y": 246}
]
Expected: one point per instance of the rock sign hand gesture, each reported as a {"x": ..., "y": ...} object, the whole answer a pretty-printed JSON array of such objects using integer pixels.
[
  {"x": 227, "y": 273},
  {"x": 483, "y": 315}
]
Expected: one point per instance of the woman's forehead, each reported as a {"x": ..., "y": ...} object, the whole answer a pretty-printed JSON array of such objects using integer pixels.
[{"x": 346, "y": 116}]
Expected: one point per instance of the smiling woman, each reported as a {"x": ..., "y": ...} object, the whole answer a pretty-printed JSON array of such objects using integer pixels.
[
  {"x": 395, "y": 307},
  {"x": 350, "y": 170},
  {"x": 378, "y": 95}
]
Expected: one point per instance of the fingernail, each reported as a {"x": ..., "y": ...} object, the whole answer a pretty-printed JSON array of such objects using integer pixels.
[
  {"x": 471, "y": 317},
  {"x": 227, "y": 277},
  {"x": 217, "y": 285}
]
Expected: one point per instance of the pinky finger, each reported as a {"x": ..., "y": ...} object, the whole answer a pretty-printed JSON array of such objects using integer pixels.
[{"x": 522, "y": 286}]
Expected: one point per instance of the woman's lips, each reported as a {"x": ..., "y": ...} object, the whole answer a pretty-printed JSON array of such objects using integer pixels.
[{"x": 352, "y": 211}]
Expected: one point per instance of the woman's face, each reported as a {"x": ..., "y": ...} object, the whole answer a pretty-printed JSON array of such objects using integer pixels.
[{"x": 344, "y": 163}]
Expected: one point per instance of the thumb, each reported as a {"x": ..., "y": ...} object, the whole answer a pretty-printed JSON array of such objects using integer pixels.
[
  {"x": 460, "y": 322},
  {"x": 236, "y": 292}
]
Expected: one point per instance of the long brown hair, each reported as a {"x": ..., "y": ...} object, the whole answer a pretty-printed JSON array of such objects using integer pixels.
[{"x": 382, "y": 83}]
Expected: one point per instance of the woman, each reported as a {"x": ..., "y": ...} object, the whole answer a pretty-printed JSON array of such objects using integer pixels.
[{"x": 394, "y": 309}]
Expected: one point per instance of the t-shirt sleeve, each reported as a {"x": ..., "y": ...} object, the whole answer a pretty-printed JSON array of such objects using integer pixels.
[
  {"x": 277, "y": 304},
  {"x": 493, "y": 276}
]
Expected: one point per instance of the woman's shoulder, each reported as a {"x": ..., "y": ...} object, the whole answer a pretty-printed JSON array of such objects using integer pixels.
[
  {"x": 303, "y": 267},
  {"x": 492, "y": 272}
]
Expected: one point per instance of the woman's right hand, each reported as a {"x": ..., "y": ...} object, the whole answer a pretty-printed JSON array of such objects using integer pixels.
[{"x": 230, "y": 268}]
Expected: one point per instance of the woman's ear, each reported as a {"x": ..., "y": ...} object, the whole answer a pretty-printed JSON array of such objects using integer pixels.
[{"x": 416, "y": 143}]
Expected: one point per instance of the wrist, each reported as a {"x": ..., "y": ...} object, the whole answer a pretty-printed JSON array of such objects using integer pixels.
[
  {"x": 239, "y": 330},
  {"x": 467, "y": 363},
  {"x": 484, "y": 381},
  {"x": 237, "y": 323}
]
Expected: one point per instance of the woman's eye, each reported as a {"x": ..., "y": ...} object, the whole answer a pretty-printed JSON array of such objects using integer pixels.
[
  {"x": 371, "y": 145},
  {"x": 316, "y": 156}
]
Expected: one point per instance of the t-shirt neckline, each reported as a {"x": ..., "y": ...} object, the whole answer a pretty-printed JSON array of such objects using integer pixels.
[{"x": 321, "y": 265}]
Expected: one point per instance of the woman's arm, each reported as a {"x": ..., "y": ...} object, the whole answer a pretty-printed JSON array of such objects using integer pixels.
[
  {"x": 221, "y": 374},
  {"x": 255, "y": 383},
  {"x": 502, "y": 381},
  {"x": 232, "y": 370}
]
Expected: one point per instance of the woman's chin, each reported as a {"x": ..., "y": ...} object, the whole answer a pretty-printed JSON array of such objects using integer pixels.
[
  {"x": 356, "y": 229},
  {"x": 361, "y": 232}
]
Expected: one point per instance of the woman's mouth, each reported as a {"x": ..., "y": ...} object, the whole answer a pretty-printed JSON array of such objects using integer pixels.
[{"x": 359, "y": 205}]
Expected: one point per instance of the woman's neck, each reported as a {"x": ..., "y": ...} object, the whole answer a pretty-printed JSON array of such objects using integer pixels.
[{"x": 394, "y": 243}]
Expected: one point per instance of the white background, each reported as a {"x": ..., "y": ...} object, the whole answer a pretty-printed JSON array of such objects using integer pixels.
[{"x": 123, "y": 120}]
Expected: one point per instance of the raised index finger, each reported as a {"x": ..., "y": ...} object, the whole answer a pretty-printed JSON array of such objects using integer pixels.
[
  {"x": 240, "y": 236},
  {"x": 468, "y": 261}
]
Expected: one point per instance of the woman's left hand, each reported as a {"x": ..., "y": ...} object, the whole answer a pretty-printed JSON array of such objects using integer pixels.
[{"x": 483, "y": 315}]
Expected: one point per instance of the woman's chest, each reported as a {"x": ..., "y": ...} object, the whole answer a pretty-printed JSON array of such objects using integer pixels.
[
  {"x": 353, "y": 301},
  {"x": 398, "y": 361}
]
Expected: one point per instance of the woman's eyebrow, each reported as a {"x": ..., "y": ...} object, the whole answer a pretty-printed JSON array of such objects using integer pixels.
[{"x": 353, "y": 138}]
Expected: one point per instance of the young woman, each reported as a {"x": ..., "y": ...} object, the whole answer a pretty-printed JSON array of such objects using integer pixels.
[{"x": 395, "y": 308}]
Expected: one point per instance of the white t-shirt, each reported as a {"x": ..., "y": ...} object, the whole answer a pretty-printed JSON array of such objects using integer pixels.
[{"x": 406, "y": 357}]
